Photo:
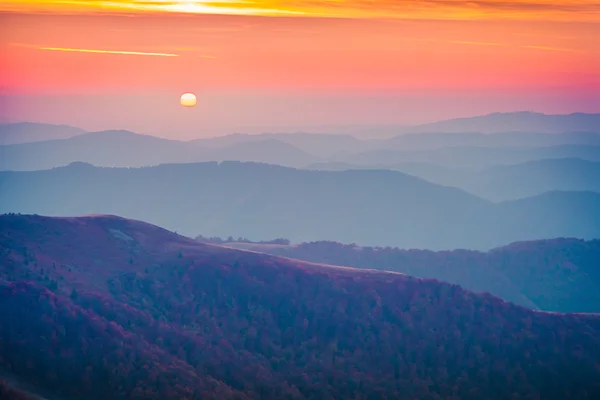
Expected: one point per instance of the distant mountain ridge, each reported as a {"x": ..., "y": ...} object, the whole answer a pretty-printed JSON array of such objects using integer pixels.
[
  {"x": 499, "y": 183},
  {"x": 516, "y": 121},
  {"x": 129, "y": 149},
  {"x": 26, "y": 132},
  {"x": 261, "y": 201},
  {"x": 472, "y": 157},
  {"x": 435, "y": 140}
]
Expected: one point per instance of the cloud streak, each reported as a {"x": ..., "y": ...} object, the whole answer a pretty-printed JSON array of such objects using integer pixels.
[
  {"x": 534, "y": 47},
  {"x": 97, "y": 51},
  {"x": 121, "y": 52},
  {"x": 571, "y": 10}
]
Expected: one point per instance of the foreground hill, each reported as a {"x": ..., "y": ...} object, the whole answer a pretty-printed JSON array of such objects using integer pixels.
[
  {"x": 103, "y": 307},
  {"x": 552, "y": 275},
  {"x": 264, "y": 201}
]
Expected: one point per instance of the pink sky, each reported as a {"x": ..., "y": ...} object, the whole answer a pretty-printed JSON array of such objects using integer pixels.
[{"x": 288, "y": 72}]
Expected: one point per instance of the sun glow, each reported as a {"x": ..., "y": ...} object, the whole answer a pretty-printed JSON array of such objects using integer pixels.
[
  {"x": 550, "y": 10},
  {"x": 188, "y": 100}
]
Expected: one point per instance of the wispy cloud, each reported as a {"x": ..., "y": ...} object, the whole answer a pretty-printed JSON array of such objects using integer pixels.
[
  {"x": 117, "y": 52},
  {"x": 493, "y": 44},
  {"x": 476, "y": 43},
  {"x": 571, "y": 10},
  {"x": 549, "y": 48},
  {"x": 535, "y": 47},
  {"x": 122, "y": 52}
]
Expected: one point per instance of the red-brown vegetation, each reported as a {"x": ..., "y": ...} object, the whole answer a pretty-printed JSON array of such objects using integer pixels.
[{"x": 144, "y": 313}]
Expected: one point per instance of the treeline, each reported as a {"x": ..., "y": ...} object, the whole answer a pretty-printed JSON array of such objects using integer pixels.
[
  {"x": 231, "y": 239},
  {"x": 554, "y": 275}
]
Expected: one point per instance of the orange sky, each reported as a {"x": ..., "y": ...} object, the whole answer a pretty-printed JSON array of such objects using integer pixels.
[{"x": 303, "y": 48}]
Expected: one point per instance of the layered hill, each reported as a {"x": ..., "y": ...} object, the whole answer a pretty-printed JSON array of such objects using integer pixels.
[
  {"x": 471, "y": 157},
  {"x": 319, "y": 144},
  {"x": 129, "y": 149},
  {"x": 104, "y": 307},
  {"x": 37, "y": 146},
  {"x": 499, "y": 183},
  {"x": 260, "y": 201},
  {"x": 553, "y": 275},
  {"x": 435, "y": 140},
  {"x": 25, "y": 132},
  {"x": 515, "y": 121}
]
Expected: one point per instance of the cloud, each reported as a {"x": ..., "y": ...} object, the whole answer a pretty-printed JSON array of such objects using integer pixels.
[
  {"x": 549, "y": 48},
  {"x": 98, "y": 51},
  {"x": 476, "y": 43},
  {"x": 570, "y": 10},
  {"x": 186, "y": 50}
]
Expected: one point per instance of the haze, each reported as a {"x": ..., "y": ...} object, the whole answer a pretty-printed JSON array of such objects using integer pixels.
[
  {"x": 371, "y": 199},
  {"x": 124, "y": 65}
]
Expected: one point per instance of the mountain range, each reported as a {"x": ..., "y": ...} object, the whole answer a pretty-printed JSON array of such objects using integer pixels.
[
  {"x": 517, "y": 121},
  {"x": 499, "y": 183},
  {"x": 471, "y": 157},
  {"x": 128, "y": 149},
  {"x": 521, "y": 121},
  {"x": 25, "y": 132},
  {"x": 489, "y": 166},
  {"x": 103, "y": 307},
  {"x": 259, "y": 201},
  {"x": 559, "y": 275}
]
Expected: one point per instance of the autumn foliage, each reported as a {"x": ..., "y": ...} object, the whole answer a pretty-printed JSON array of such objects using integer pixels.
[{"x": 146, "y": 314}]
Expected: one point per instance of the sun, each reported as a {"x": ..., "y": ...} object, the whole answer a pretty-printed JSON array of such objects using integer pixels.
[{"x": 188, "y": 100}]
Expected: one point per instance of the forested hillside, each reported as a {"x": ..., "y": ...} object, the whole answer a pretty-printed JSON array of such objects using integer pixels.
[{"x": 103, "y": 307}]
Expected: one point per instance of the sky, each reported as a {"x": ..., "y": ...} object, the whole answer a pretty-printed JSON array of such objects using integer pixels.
[{"x": 268, "y": 64}]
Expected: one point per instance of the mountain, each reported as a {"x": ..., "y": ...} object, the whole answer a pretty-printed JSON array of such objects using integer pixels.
[
  {"x": 299, "y": 150},
  {"x": 432, "y": 140},
  {"x": 129, "y": 149},
  {"x": 261, "y": 201},
  {"x": 499, "y": 183},
  {"x": 270, "y": 151},
  {"x": 471, "y": 157},
  {"x": 24, "y": 132},
  {"x": 516, "y": 121},
  {"x": 430, "y": 172},
  {"x": 106, "y": 148},
  {"x": 321, "y": 145},
  {"x": 532, "y": 178},
  {"x": 103, "y": 307},
  {"x": 552, "y": 275}
]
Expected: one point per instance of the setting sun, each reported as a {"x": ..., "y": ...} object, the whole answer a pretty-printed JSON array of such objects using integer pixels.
[{"x": 188, "y": 100}]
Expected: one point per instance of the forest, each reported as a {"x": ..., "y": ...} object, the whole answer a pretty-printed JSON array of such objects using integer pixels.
[
  {"x": 139, "y": 312},
  {"x": 559, "y": 275}
]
